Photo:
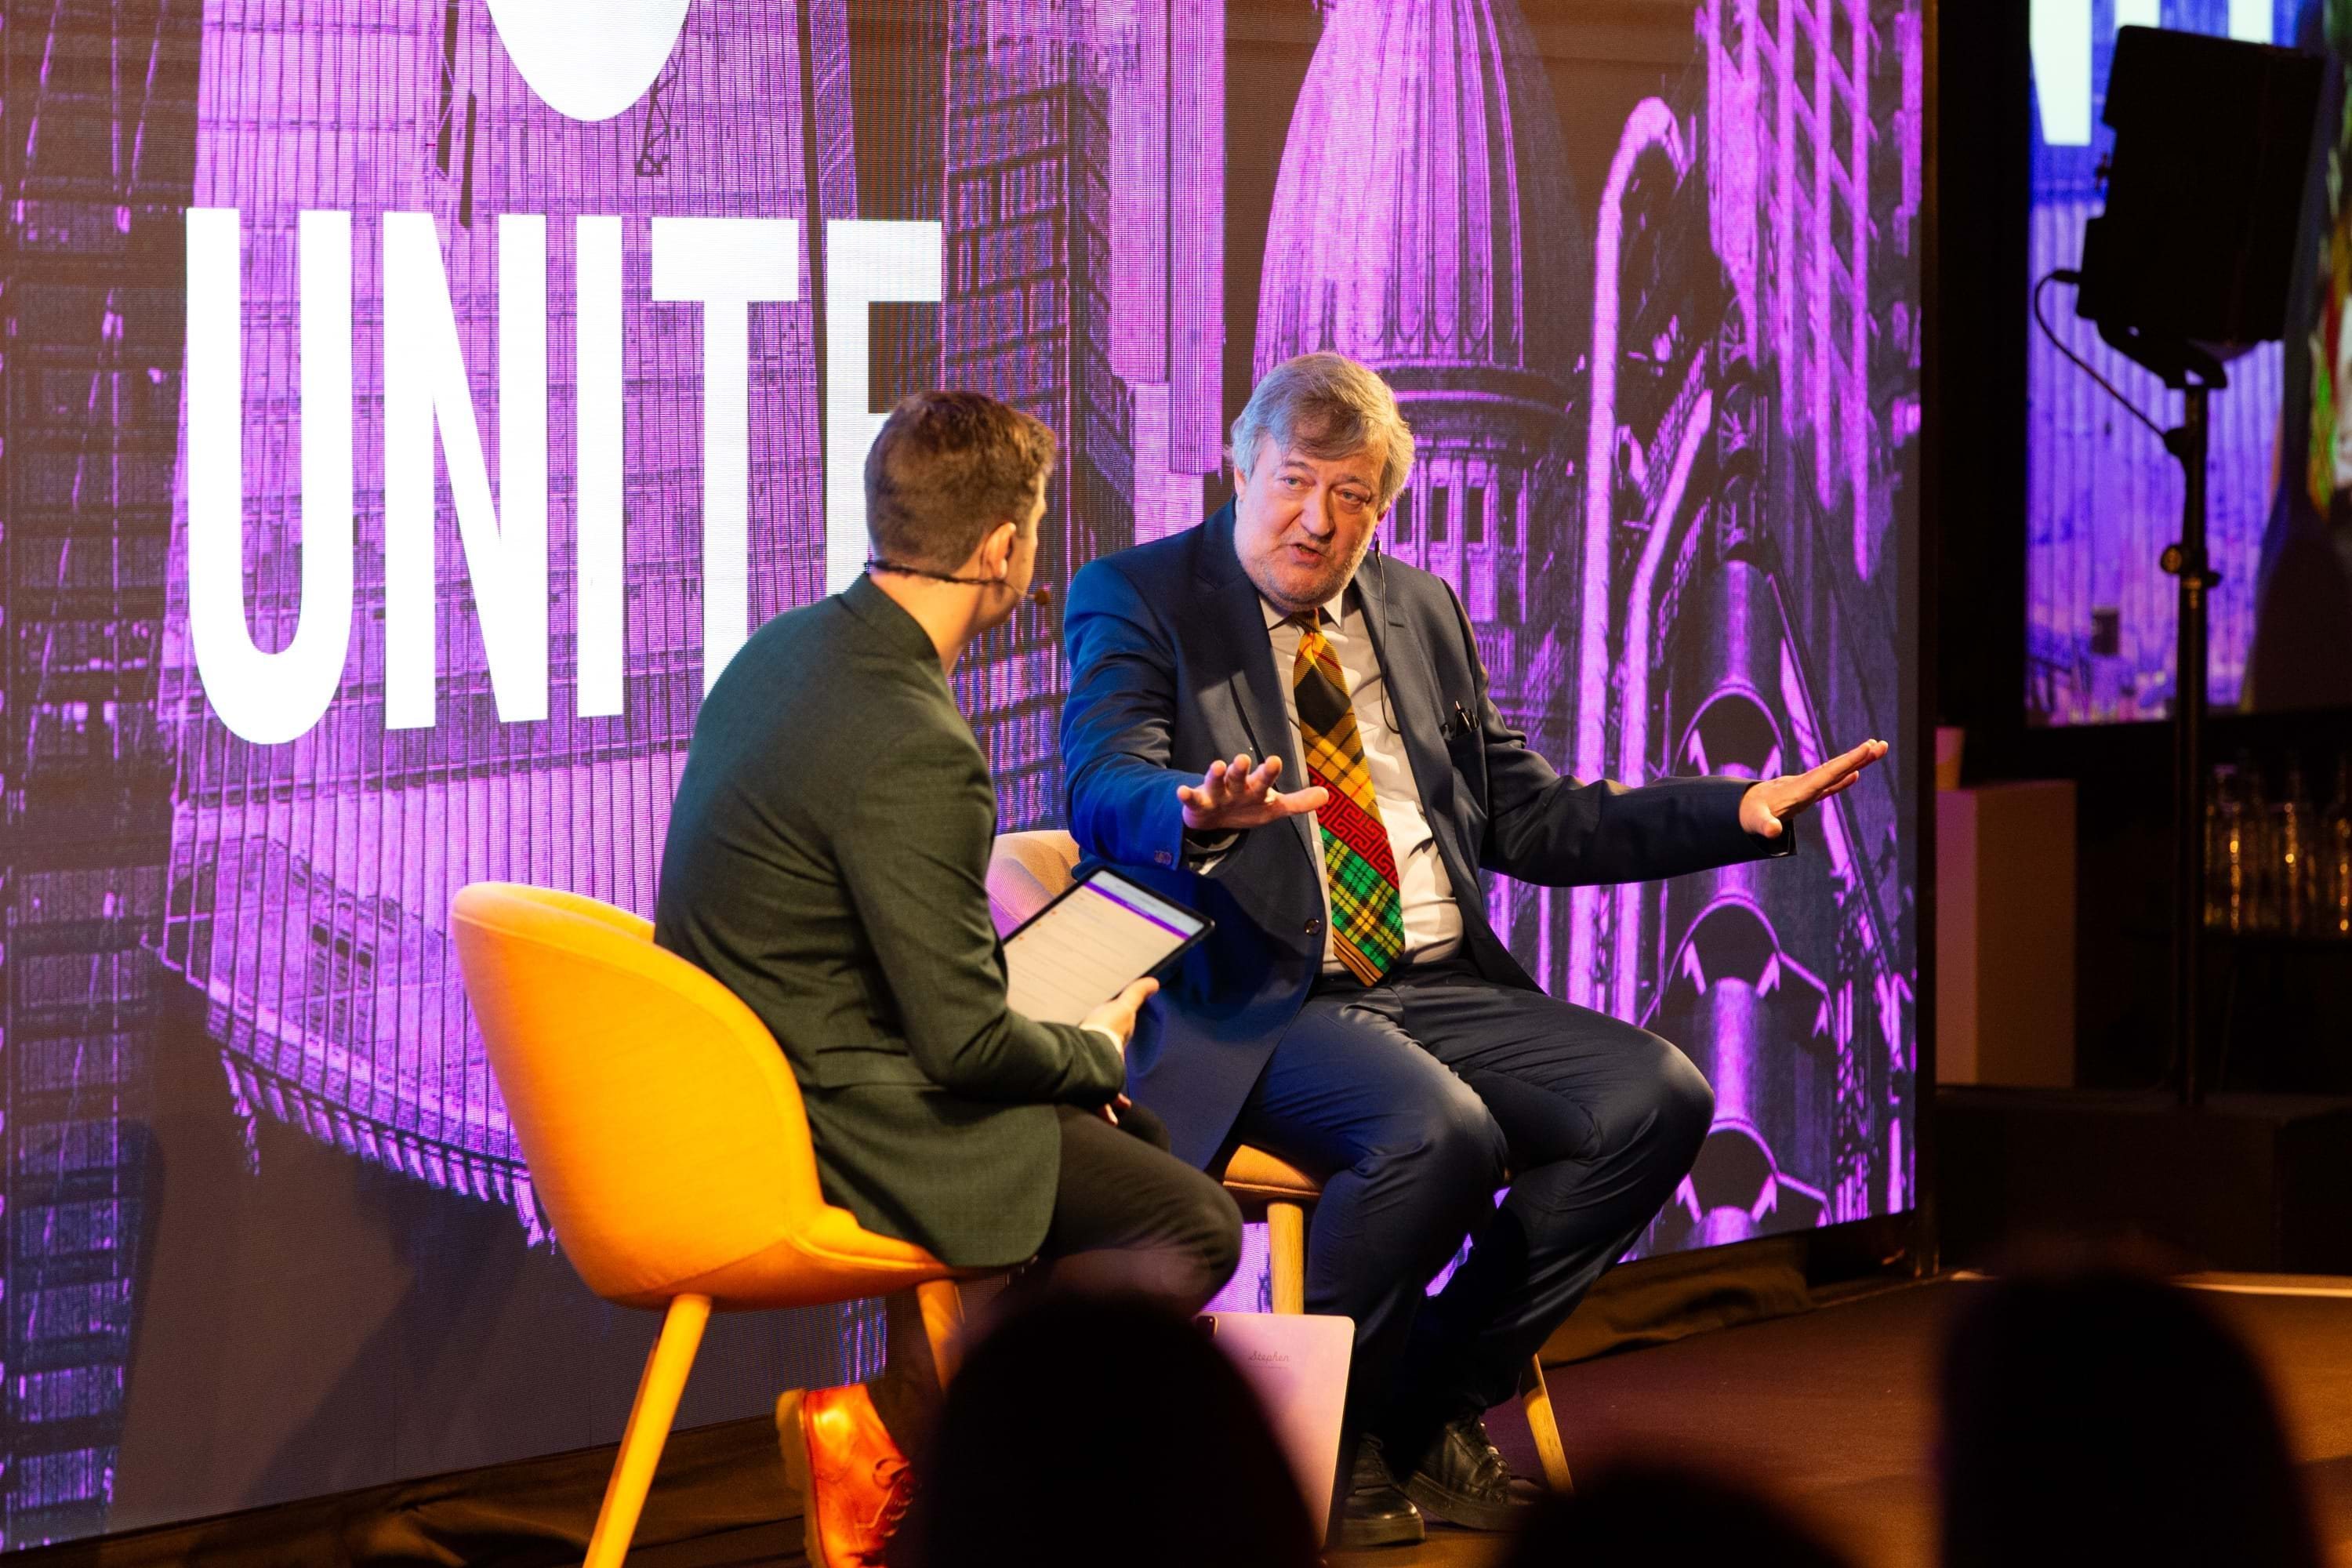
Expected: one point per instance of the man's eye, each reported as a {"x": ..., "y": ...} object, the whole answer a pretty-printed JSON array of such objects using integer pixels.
[
  {"x": 1353, "y": 500},
  {"x": 1293, "y": 482}
]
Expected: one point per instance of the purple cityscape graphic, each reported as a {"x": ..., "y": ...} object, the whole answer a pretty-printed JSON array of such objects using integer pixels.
[
  {"x": 2103, "y": 497},
  {"x": 1669, "y": 438},
  {"x": 1657, "y": 478}
]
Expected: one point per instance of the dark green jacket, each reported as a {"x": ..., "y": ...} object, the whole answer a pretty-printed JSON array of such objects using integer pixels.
[{"x": 826, "y": 862}]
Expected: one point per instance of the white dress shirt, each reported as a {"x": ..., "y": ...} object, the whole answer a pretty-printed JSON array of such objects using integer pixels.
[{"x": 1433, "y": 921}]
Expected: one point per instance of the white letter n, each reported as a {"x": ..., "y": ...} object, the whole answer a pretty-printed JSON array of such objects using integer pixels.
[{"x": 424, "y": 388}]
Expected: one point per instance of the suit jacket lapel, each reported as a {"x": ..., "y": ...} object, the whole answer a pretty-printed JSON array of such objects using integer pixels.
[
  {"x": 1411, "y": 675},
  {"x": 1236, "y": 626}
]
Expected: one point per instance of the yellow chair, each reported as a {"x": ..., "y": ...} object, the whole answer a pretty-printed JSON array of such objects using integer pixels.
[
  {"x": 1027, "y": 870},
  {"x": 668, "y": 1144}
]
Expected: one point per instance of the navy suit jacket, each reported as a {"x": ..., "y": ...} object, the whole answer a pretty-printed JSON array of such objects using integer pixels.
[{"x": 1170, "y": 669}]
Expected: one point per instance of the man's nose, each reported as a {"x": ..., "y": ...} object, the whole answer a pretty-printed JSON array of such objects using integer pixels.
[{"x": 1316, "y": 515}]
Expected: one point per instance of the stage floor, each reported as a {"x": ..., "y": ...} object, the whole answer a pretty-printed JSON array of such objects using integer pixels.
[{"x": 1831, "y": 1411}]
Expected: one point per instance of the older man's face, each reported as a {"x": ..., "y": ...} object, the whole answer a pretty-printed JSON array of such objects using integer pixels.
[{"x": 1301, "y": 523}]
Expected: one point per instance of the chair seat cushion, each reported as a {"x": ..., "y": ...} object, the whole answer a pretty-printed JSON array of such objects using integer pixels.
[
  {"x": 1259, "y": 1177},
  {"x": 833, "y": 1259},
  {"x": 1253, "y": 1173}
]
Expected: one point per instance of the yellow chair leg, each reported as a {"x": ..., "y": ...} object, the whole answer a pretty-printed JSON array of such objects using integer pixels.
[
  {"x": 1535, "y": 1399},
  {"x": 1286, "y": 1235},
  {"x": 649, "y": 1429}
]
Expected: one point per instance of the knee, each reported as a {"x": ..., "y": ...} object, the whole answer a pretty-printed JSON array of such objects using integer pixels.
[
  {"x": 1212, "y": 1238},
  {"x": 1221, "y": 1237},
  {"x": 1456, "y": 1145},
  {"x": 1685, "y": 1105}
]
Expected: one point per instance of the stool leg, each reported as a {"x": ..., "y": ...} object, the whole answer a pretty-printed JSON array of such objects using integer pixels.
[
  {"x": 649, "y": 1429},
  {"x": 942, "y": 1304},
  {"x": 1535, "y": 1399},
  {"x": 1285, "y": 1228}
]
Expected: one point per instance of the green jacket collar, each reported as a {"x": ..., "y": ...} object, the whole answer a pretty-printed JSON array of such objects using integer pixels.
[{"x": 890, "y": 619}]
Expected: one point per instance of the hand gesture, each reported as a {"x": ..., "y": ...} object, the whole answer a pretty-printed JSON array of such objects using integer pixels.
[
  {"x": 1763, "y": 807},
  {"x": 1234, "y": 796},
  {"x": 1118, "y": 1014}
]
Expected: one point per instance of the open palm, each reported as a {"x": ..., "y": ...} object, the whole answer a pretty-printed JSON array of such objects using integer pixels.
[
  {"x": 1765, "y": 805},
  {"x": 1232, "y": 797}
]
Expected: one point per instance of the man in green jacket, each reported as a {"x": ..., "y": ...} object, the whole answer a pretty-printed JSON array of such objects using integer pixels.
[{"x": 826, "y": 861}]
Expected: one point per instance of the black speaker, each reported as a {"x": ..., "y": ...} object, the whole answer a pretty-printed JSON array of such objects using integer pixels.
[{"x": 2204, "y": 189}]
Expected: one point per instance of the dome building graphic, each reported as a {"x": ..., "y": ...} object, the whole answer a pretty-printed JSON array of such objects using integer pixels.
[
  {"x": 1659, "y": 438},
  {"x": 1424, "y": 223}
]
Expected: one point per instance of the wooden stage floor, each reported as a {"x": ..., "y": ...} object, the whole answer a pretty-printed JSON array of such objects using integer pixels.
[{"x": 1830, "y": 1411}]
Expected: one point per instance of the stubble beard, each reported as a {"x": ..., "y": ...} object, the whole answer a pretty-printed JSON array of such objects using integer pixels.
[{"x": 1325, "y": 587}]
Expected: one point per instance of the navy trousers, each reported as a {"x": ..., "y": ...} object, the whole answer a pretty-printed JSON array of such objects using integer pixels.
[{"x": 1420, "y": 1092}]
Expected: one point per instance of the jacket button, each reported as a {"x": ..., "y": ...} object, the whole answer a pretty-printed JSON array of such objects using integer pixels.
[
  {"x": 1315, "y": 928},
  {"x": 1165, "y": 858}
]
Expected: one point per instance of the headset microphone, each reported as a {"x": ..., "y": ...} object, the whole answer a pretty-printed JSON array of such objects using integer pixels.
[{"x": 1039, "y": 596}]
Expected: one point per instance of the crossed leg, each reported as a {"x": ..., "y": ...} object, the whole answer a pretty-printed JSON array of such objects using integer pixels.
[{"x": 1418, "y": 1094}]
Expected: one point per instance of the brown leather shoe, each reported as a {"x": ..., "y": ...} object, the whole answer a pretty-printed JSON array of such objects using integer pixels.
[{"x": 853, "y": 1483}]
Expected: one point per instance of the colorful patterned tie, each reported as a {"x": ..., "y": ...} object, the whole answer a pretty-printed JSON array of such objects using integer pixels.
[{"x": 1366, "y": 912}]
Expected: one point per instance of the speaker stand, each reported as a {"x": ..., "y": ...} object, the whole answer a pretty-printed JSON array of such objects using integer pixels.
[
  {"x": 2190, "y": 565},
  {"x": 2194, "y": 372}
]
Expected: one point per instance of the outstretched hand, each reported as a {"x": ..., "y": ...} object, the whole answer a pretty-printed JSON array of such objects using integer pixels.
[
  {"x": 1234, "y": 796},
  {"x": 1765, "y": 805}
]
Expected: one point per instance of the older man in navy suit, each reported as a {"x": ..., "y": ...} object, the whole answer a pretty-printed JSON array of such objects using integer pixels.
[{"x": 1354, "y": 1011}]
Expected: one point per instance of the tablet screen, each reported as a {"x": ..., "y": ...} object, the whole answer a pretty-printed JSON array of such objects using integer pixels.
[{"x": 1089, "y": 945}]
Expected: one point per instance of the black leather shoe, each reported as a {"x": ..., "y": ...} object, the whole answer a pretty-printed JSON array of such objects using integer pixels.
[
  {"x": 1375, "y": 1512},
  {"x": 1462, "y": 1480}
]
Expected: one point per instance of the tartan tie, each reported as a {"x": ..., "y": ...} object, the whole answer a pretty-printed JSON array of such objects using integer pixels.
[{"x": 1359, "y": 864}]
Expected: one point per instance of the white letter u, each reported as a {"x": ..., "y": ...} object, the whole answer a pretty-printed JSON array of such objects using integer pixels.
[{"x": 267, "y": 698}]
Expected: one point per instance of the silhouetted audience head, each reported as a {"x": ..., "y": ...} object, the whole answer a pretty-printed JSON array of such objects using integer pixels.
[
  {"x": 1652, "y": 1515},
  {"x": 1092, "y": 1431},
  {"x": 2103, "y": 1416}
]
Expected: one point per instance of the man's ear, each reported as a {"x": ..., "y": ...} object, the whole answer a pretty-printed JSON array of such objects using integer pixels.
[{"x": 996, "y": 550}]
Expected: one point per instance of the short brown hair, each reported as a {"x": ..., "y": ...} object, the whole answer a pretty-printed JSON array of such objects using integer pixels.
[{"x": 946, "y": 467}]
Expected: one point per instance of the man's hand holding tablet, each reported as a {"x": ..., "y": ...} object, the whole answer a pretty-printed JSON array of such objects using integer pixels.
[
  {"x": 1101, "y": 938},
  {"x": 1116, "y": 1018}
]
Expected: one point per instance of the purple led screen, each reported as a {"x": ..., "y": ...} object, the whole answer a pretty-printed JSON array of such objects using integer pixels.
[
  {"x": 616, "y": 328},
  {"x": 2104, "y": 498}
]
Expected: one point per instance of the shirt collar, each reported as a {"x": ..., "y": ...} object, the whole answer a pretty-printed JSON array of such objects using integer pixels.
[{"x": 1330, "y": 613}]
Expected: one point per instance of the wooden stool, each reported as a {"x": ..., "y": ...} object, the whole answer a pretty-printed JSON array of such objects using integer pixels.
[{"x": 1281, "y": 1194}]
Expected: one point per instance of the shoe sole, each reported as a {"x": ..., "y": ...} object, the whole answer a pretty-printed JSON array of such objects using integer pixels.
[
  {"x": 792, "y": 1437},
  {"x": 1355, "y": 1536},
  {"x": 1469, "y": 1513}
]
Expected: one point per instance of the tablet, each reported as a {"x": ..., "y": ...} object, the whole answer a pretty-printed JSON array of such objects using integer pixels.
[{"x": 1100, "y": 936}]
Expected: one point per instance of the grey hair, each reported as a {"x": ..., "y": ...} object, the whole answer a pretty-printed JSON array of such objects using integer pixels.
[{"x": 1326, "y": 405}]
